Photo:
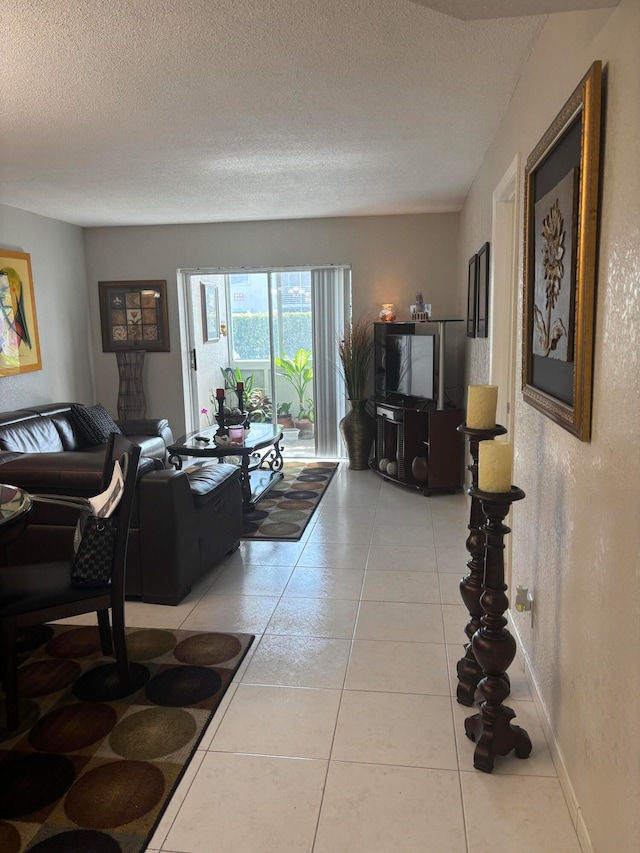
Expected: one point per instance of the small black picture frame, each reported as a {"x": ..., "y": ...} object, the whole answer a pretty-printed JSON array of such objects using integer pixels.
[
  {"x": 482, "y": 308},
  {"x": 472, "y": 285}
]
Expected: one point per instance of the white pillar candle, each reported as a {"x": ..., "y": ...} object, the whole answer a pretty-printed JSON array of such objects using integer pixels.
[
  {"x": 494, "y": 466},
  {"x": 482, "y": 402}
]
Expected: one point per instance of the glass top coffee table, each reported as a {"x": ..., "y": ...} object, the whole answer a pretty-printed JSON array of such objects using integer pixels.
[
  {"x": 15, "y": 506},
  {"x": 260, "y": 457}
]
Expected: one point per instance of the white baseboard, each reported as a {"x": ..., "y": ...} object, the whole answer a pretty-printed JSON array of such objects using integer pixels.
[
  {"x": 554, "y": 748},
  {"x": 583, "y": 835}
]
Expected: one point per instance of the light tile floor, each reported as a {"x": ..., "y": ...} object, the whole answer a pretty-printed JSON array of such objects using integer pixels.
[{"x": 340, "y": 732}]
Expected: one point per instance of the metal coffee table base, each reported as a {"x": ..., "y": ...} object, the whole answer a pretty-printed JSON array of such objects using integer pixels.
[
  {"x": 258, "y": 474},
  {"x": 260, "y": 457}
]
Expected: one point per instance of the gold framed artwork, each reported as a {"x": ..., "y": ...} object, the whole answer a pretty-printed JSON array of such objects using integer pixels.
[
  {"x": 133, "y": 315},
  {"x": 19, "y": 340},
  {"x": 560, "y": 248}
]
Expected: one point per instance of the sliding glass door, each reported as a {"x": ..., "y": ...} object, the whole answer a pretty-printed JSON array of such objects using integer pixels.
[{"x": 282, "y": 329}]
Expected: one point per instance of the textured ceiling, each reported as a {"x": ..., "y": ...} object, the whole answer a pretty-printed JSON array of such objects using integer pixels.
[{"x": 118, "y": 112}]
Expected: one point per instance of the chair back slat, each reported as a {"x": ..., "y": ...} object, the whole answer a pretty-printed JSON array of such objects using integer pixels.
[{"x": 124, "y": 451}]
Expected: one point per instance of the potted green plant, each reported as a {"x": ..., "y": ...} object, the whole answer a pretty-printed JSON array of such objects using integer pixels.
[
  {"x": 305, "y": 420},
  {"x": 356, "y": 360},
  {"x": 299, "y": 372},
  {"x": 284, "y": 415},
  {"x": 257, "y": 404}
]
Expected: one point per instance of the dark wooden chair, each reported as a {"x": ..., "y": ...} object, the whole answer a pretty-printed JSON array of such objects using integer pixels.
[{"x": 42, "y": 592}]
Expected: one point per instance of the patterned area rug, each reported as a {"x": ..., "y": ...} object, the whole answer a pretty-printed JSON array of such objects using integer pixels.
[
  {"x": 90, "y": 773},
  {"x": 288, "y": 506}
]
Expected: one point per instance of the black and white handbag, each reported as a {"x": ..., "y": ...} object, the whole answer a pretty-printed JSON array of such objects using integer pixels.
[
  {"x": 92, "y": 561},
  {"x": 95, "y": 535}
]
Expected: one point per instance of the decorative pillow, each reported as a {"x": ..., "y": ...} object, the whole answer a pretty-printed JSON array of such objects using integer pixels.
[{"x": 94, "y": 423}]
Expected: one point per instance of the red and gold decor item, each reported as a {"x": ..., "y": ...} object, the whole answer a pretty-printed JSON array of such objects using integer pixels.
[{"x": 388, "y": 313}]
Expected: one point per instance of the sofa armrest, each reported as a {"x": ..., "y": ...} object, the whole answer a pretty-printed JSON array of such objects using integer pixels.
[
  {"x": 9, "y": 455},
  {"x": 148, "y": 426}
]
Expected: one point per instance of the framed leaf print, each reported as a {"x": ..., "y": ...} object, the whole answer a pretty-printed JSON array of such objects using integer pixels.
[{"x": 561, "y": 233}]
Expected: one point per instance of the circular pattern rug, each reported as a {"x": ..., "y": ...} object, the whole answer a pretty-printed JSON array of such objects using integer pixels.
[
  {"x": 90, "y": 770},
  {"x": 287, "y": 508}
]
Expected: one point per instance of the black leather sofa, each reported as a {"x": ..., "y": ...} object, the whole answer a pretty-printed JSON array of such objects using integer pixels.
[{"x": 183, "y": 522}]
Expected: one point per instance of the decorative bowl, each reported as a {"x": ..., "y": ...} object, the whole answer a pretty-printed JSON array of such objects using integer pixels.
[{"x": 232, "y": 420}]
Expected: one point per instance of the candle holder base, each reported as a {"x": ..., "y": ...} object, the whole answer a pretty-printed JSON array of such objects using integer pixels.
[
  {"x": 493, "y": 646},
  {"x": 495, "y": 735},
  {"x": 469, "y": 674}
]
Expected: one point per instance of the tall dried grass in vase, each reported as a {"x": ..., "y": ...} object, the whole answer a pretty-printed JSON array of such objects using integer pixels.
[{"x": 356, "y": 357}]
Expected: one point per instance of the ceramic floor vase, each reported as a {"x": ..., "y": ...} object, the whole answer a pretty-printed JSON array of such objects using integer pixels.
[
  {"x": 358, "y": 431},
  {"x": 420, "y": 469}
]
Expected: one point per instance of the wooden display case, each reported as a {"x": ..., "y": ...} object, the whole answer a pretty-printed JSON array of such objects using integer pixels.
[{"x": 404, "y": 433}]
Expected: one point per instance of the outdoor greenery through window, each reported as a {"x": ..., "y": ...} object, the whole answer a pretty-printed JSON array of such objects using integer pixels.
[
  {"x": 276, "y": 331},
  {"x": 270, "y": 344},
  {"x": 249, "y": 303}
]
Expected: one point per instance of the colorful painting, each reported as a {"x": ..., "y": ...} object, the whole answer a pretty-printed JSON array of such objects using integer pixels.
[
  {"x": 133, "y": 315},
  {"x": 19, "y": 341}
]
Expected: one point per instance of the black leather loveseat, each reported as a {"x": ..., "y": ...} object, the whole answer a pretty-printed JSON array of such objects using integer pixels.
[{"x": 183, "y": 522}]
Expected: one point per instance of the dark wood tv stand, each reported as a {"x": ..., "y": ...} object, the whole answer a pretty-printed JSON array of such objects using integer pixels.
[{"x": 406, "y": 432}]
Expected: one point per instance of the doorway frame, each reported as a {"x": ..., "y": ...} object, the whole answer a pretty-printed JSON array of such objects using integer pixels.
[
  {"x": 506, "y": 226},
  {"x": 187, "y": 321},
  {"x": 504, "y": 276}
]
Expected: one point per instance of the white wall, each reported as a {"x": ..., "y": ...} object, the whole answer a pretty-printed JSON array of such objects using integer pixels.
[
  {"x": 60, "y": 290},
  {"x": 576, "y": 536},
  {"x": 392, "y": 258}
]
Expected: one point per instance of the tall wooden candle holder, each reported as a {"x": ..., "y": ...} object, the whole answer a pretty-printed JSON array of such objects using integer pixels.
[
  {"x": 222, "y": 427},
  {"x": 492, "y": 644},
  {"x": 468, "y": 669}
]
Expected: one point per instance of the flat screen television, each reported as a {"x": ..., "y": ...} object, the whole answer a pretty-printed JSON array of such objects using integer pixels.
[{"x": 410, "y": 367}]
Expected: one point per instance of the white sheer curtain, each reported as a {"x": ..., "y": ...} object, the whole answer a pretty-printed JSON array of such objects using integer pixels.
[{"x": 330, "y": 300}]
